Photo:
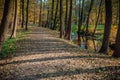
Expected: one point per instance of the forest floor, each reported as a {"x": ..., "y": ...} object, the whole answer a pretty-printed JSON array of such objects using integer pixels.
[{"x": 43, "y": 56}]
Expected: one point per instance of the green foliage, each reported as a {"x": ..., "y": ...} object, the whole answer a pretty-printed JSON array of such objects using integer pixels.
[
  {"x": 100, "y": 27},
  {"x": 74, "y": 28},
  {"x": 9, "y": 46}
]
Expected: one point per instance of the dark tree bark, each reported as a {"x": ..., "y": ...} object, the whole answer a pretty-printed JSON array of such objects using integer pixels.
[
  {"x": 97, "y": 17},
  {"x": 40, "y": 14},
  {"x": 66, "y": 18},
  {"x": 117, "y": 42},
  {"x": 69, "y": 22},
  {"x": 47, "y": 23},
  {"x": 91, "y": 5},
  {"x": 56, "y": 12},
  {"x": 61, "y": 19},
  {"x": 34, "y": 21},
  {"x": 13, "y": 35},
  {"x": 27, "y": 8},
  {"x": 22, "y": 23},
  {"x": 80, "y": 18},
  {"x": 5, "y": 20},
  {"x": 52, "y": 17},
  {"x": 20, "y": 20},
  {"x": 108, "y": 22}
]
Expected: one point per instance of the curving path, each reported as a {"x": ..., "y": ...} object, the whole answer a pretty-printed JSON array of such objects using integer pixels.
[{"x": 43, "y": 56}]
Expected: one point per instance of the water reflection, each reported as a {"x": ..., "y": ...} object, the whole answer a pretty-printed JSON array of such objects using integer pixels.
[{"x": 87, "y": 42}]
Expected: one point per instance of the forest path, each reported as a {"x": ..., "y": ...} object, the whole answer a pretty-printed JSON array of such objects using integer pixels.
[{"x": 43, "y": 56}]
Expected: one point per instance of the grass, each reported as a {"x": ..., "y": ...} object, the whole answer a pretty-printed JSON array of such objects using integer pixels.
[
  {"x": 75, "y": 27},
  {"x": 8, "y": 47}
]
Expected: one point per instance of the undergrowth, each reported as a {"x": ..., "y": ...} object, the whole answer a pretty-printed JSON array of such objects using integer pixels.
[{"x": 9, "y": 45}]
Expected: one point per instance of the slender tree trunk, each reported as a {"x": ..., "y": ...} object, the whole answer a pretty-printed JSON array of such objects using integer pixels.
[
  {"x": 27, "y": 8},
  {"x": 66, "y": 18},
  {"x": 20, "y": 13},
  {"x": 80, "y": 18},
  {"x": 117, "y": 42},
  {"x": 91, "y": 5},
  {"x": 34, "y": 21},
  {"x": 13, "y": 35},
  {"x": 5, "y": 20},
  {"x": 97, "y": 17},
  {"x": 47, "y": 23},
  {"x": 108, "y": 22},
  {"x": 52, "y": 12},
  {"x": 22, "y": 24},
  {"x": 70, "y": 22},
  {"x": 117, "y": 13},
  {"x": 61, "y": 19},
  {"x": 56, "y": 12},
  {"x": 40, "y": 14}
]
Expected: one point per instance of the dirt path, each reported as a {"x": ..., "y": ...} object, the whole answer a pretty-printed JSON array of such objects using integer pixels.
[{"x": 43, "y": 56}]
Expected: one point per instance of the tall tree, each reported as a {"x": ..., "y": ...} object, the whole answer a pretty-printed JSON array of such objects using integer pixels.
[
  {"x": 22, "y": 23},
  {"x": 56, "y": 12},
  {"x": 61, "y": 19},
  {"x": 69, "y": 22},
  {"x": 34, "y": 21},
  {"x": 108, "y": 22},
  {"x": 66, "y": 18},
  {"x": 88, "y": 17},
  {"x": 13, "y": 35},
  {"x": 117, "y": 42},
  {"x": 5, "y": 20},
  {"x": 47, "y": 23},
  {"x": 52, "y": 12},
  {"x": 80, "y": 18},
  {"x": 40, "y": 14},
  {"x": 98, "y": 16},
  {"x": 27, "y": 9}
]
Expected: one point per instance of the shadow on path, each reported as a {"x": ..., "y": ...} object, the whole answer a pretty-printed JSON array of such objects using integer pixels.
[{"x": 75, "y": 72}]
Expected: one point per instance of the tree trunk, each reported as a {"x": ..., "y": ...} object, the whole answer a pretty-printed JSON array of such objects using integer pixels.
[
  {"x": 56, "y": 12},
  {"x": 22, "y": 23},
  {"x": 26, "y": 26},
  {"x": 108, "y": 22},
  {"x": 47, "y": 23},
  {"x": 80, "y": 18},
  {"x": 91, "y": 5},
  {"x": 97, "y": 17},
  {"x": 5, "y": 20},
  {"x": 66, "y": 18},
  {"x": 52, "y": 12},
  {"x": 40, "y": 14},
  {"x": 13, "y": 35},
  {"x": 61, "y": 19},
  {"x": 34, "y": 21},
  {"x": 69, "y": 22},
  {"x": 117, "y": 42}
]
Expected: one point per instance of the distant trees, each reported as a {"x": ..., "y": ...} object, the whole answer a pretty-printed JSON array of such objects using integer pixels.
[{"x": 5, "y": 21}]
